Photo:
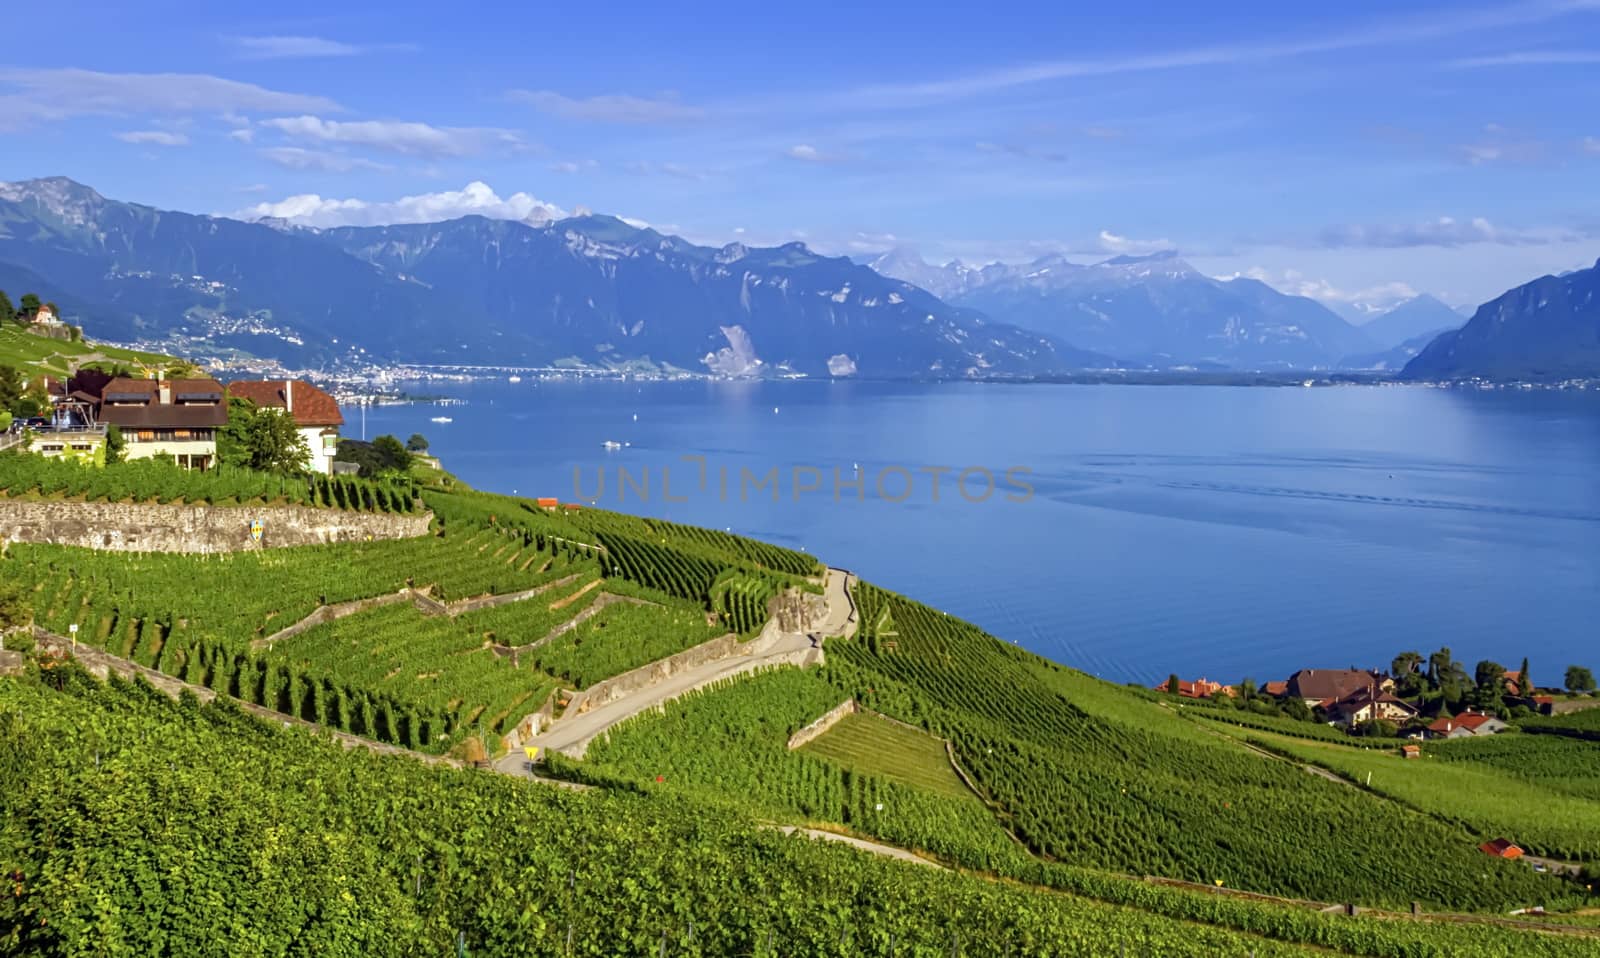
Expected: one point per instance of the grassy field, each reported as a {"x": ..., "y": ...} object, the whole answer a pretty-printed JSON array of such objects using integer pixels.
[
  {"x": 870, "y": 743},
  {"x": 1490, "y": 802},
  {"x": 37, "y": 354}
]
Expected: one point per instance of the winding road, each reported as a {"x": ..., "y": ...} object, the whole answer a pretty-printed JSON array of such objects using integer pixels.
[{"x": 571, "y": 735}]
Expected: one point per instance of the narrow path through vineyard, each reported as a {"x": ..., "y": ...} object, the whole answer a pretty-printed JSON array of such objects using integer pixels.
[{"x": 571, "y": 735}]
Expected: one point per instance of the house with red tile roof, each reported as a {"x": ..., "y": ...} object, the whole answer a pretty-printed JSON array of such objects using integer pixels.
[
  {"x": 1199, "y": 689},
  {"x": 1501, "y": 848},
  {"x": 316, "y": 414},
  {"x": 1465, "y": 725}
]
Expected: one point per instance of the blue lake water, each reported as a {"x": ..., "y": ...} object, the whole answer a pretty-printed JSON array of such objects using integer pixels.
[{"x": 1209, "y": 531}]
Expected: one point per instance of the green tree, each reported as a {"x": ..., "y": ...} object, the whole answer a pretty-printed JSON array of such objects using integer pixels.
[
  {"x": 417, "y": 443},
  {"x": 14, "y": 611},
  {"x": 1247, "y": 690},
  {"x": 8, "y": 312},
  {"x": 1406, "y": 669},
  {"x": 30, "y": 306},
  {"x": 1525, "y": 685},
  {"x": 10, "y": 387},
  {"x": 1579, "y": 679},
  {"x": 1489, "y": 676},
  {"x": 1173, "y": 684},
  {"x": 233, "y": 439},
  {"x": 116, "y": 445},
  {"x": 263, "y": 439},
  {"x": 392, "y": 453},
  {"x": 276, "y": 444}
]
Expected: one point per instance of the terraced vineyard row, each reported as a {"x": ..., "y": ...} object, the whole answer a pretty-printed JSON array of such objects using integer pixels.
[
  {"x": 709, "y": 542},
  {"x": 622, "y": 637},
  {"x": 727, "y": 745},
  {"x": 433, "y": 663},
  {"x": 391, "y": 857},
  {"x": 1093, "y": 775},
  {"x": 148, "y": 480}
]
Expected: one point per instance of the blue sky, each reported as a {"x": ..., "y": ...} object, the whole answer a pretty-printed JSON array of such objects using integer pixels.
[{"x": 1349, "y": 152}]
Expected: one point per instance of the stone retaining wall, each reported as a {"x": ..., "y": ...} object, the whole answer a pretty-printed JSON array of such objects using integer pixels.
[
  {"x": 828, "y": 720},
  {"x": 645, "y": 676},
  {"x": 151, "y": 527}
]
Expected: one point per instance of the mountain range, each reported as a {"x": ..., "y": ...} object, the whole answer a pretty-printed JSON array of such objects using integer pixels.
[
  {"x": 597, "y": 292},
  {"x": 1546, "y": 330},
  {"x": 583, "y": 291},
  {"x": 1418, "y": 316},
  {"x": 1154, "y": 309}
]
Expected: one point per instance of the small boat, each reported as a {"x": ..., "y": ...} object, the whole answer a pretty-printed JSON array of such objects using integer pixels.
[
  {"x": 514, "y": 379},
  {"x": 612, "y": 444},
  {"x": 441, "y": 419}
]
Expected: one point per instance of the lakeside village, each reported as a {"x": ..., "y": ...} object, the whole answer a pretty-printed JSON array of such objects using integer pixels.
[{"x": 1419, "y": 698}]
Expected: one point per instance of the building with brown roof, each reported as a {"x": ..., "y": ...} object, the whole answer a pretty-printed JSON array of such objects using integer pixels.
[
  {"x": 1363, "y": 705},
  {"x": 1315, "y": 686},
  {"x": 176, "y": 417},
  {"x": 315, "y": 413}
]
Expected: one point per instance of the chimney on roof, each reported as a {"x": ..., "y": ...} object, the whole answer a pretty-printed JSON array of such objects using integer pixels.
[
  {"x": 164, "y": 389},
  {"x": 288, "y": 395}
]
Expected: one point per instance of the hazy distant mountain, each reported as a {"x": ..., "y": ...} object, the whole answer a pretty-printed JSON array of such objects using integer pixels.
[
  {"x": 1395, "y": 358},
  {"x": 1548, "y": 329},
  {"x": 589, "y": 290},
  {"x": 1410, "y": 319},
  {"x": 1156, "y": 309}
]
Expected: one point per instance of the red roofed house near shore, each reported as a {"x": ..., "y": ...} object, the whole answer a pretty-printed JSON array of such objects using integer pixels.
[
  {"x": 1465, "y": 725},
  {"x": 1200, "y": 689},
  {"x": 1501, "y": 848},
  {"x": 315, "y": 413}
]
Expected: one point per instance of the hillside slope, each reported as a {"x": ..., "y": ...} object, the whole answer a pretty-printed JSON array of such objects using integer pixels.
[{"x": 1548, "y": 329}]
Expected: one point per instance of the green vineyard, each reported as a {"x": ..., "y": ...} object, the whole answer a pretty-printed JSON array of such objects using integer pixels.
[{"x": 152, "y": 481}]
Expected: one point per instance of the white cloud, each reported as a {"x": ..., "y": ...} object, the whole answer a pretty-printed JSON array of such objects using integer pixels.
[
  {"x": 55, "y": 94},
  {"x": 1017, "y": 149},
  {"x": 476, "y": 198},
  {"x": 244, "y": 134},
  {"x": 806, "y": 153},
  {"x": 674, "y": 170},
  {"x": 609, "y": 108},
  {"x": 279, "y": 47},
  {"x": 1389, "y": 32},
  {"x": 1113, "y": 243},
  {"x": 572, "y": 166},
  {"x": 1295, "y": 283},
  {"x": 1591, "y": 144},
  {"x": 1445, "y": 231},
  {"x": 153, "y": 137},
  {"x": 415, "y": 139},
  {"x": 299, "y": 158},
  {"x": 1528, "y": 58}
]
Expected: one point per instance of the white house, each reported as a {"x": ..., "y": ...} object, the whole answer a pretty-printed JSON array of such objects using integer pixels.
[
  {"x": 175, "y": 417},
  {"x": 315, "y": 413}
]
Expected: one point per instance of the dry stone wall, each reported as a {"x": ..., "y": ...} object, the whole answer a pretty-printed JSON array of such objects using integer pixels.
[{"x": 128, "y": 527}]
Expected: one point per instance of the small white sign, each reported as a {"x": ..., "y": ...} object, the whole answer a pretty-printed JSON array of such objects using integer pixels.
[{"x": 73, "y": 628}]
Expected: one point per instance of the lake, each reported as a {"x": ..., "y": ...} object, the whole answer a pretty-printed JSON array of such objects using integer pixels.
[{"x": 1208, "y": 531}]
